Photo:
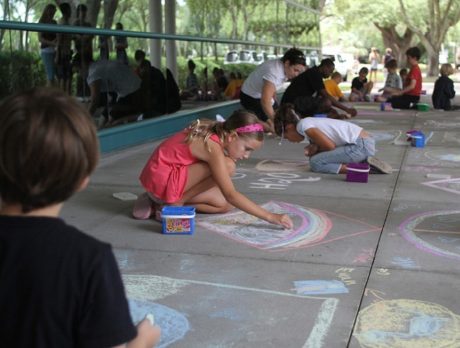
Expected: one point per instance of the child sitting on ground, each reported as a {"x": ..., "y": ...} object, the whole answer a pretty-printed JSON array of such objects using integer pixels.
[
  {"x": 59, "y": 287},
  {"x": 443, "y": 90},
  {"x": 393, "y": 83},
  {"x": 332, "y": 86},
  {"x": 191, "y": 83},
  {"x": 409, "y": 96},
  {"x": 360, "y": 87},
  {"x": 234, "y": 86},
  {"x": 332, "y": 143},
  {"x": 194, "y": 167}
]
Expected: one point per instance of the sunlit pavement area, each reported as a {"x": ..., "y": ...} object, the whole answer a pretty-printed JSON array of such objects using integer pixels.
[{"x": 367, "y": 264}]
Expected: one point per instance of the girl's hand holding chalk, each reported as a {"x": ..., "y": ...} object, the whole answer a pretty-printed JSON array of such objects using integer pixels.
[
  {"x": 282, "y": 220},
  {"x": 150, "y": 318},
  {"x": 311, "y": 150},
  {"x": 148, "y": 334}
]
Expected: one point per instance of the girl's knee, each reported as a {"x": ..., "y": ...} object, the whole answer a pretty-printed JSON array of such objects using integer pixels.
[
  {"x": 224, "y": 208},
  {"x": 315, "y": 165}
]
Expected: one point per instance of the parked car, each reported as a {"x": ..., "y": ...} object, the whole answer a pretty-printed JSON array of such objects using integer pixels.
[
  {"x": 244, "y": 56},
  {"x": 343, "y": 65},
  {"x": 312, "y": 59},
  {"x": 232, "y": 57}
]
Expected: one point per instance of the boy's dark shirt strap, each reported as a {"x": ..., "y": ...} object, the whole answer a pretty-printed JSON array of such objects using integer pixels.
[
  {"x": 309, "y": 83},
  {"x": 59, "y": 287}
]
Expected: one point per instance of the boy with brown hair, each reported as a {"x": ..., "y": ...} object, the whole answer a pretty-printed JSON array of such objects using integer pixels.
[
  {"x": 332, "y": 86},
  {"x": 409, "y": 96},
  {"x": 59, "y": 287}
]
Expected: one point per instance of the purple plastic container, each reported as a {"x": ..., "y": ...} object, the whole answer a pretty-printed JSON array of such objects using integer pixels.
[{"x": 357, "y": 172}]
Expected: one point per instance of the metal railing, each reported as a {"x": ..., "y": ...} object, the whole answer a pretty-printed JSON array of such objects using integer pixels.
[{"x": 71, "y": 29}]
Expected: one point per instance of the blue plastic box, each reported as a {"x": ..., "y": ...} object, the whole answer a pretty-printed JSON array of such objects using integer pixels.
[
  {"x": 178, "y": 220},
  {"x": 418, "y": 139}
]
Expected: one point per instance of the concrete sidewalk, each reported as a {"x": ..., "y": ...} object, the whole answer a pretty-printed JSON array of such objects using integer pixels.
[{"x": 367, "y": 265}]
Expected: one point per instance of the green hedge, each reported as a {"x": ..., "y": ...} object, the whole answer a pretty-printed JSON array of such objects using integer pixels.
[{"x": 20, "y": 70}]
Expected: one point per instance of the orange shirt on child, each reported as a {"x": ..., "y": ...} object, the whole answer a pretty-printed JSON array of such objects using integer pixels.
[{"x": 333, "y": 89}]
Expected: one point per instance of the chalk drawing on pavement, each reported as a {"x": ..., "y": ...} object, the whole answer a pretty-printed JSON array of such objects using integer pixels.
[
  {"x": 423, "y": 231},
  {"x": 442, "y": 124},
  {"x": 404, "y": 262},
  {"x": 283, "y": 166},
  {"x": 320, "y": 287},
  {"x": 441, "y": 155},
  {"x": 311, "y": 226},
  {"x": 384, "y": 136},
  {"x": 405, "y": 323},
  {"x": 452, "y": 137},
  {"x": 174, "y": 325},
  {"x": 449, "y": 185},
  {"x": 142, "y": 288}
]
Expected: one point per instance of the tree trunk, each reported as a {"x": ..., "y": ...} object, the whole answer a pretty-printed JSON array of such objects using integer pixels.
[
  {"x": 94, "y": 6},
  {"x": 110, "y": 6},
  {"x": 399, "y": 44},
  {"x": 433, "y": 63},
  {"x": 440, "y": 20},
  {"x": 6, "y": 12}
]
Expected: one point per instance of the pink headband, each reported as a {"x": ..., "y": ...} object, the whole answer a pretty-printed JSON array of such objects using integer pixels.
[{"x": 250, "y": 128}]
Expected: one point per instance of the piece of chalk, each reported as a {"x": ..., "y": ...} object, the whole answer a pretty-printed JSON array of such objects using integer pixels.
[
  {"x": 438, "y": 176},
  {"x": 150, "y": 318},
  {"x": 124, "y": 196}
]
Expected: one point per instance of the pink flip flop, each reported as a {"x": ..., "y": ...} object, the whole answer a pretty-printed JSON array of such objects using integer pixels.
[{"x": 143, "y": 207}]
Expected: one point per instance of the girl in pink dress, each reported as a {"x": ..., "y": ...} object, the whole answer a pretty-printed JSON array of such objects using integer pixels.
[{"x": 194, "y": 167}]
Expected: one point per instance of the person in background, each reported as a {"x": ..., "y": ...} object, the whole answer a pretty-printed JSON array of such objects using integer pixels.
[
  {"x": 191, "y": 83},
  {"x": 332, "y": 86},
  {"x": 332, "y": 144},
  {"x": 121, "y": 44},
  {"x": 443, "y": 90},
  {"x": 374, "y": 60},
  {"x": 59, "y": 286},
  {"x": 393, "y": 83},
  {"x": 309, "y": 96},
  {"x": 116, "y": 88},
  {"x": 233, "y": 89},
  {"x": 48, "y": 42},
  {"x": 105, "y": 44},
  {"x": 409, "y": 96},
  {"x": 220, "y": 83},
  {"x": 258, "y": 93},
  {"x": 385, "y": 59},
  {"x": 403, "y": 75},
  {"x": 153, "y": 86},
  {"x": 360, "y": 87},
  {"x": 84, "y": 51},
  {"x": 64, "y": 51}
]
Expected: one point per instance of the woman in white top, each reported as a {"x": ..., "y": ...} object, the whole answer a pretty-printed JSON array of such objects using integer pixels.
[
  {"x": 258, "y": 93},
  {"x": 374, "y": 59},
  {"x": 332, "y": 143}
]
